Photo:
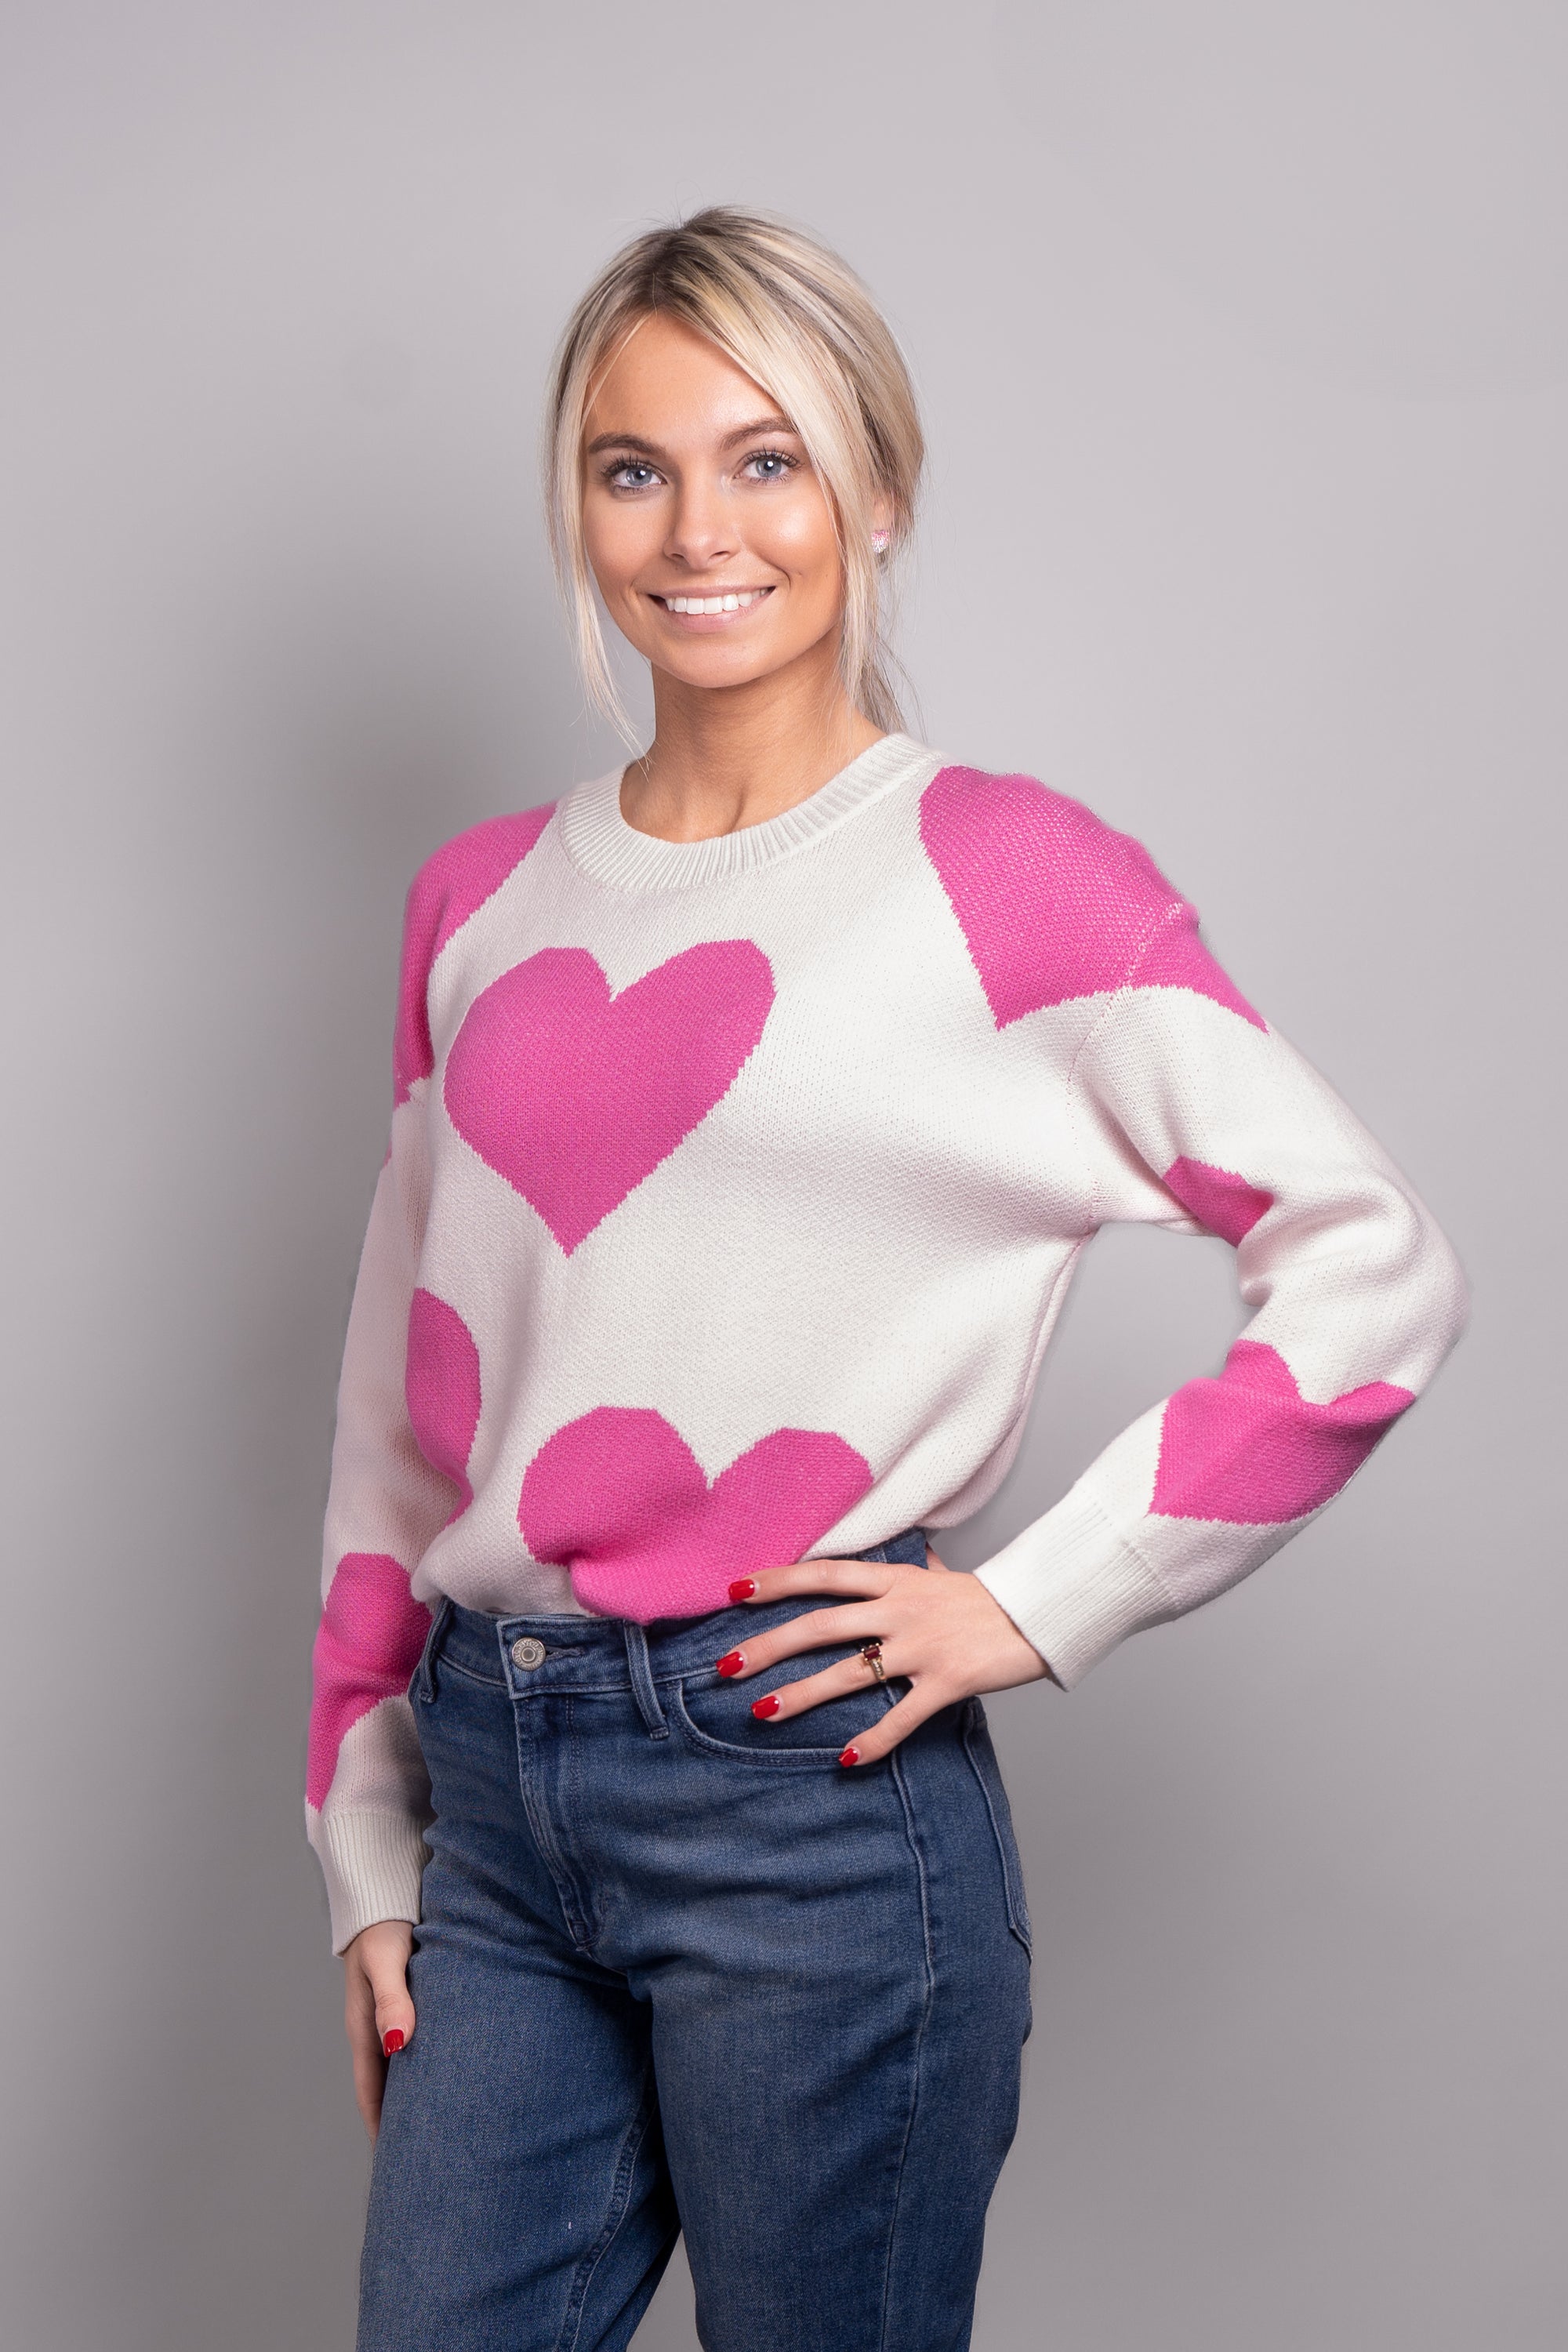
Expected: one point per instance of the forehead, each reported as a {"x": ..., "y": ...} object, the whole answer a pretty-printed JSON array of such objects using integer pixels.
[{"x": 667, "y": 383}]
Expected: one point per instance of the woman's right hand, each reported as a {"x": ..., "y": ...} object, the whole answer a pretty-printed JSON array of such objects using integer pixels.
[{"x": 376, "y": 2008}]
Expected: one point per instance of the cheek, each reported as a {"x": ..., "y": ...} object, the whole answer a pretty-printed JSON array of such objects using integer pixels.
[
  {"x": 617, "y": 540},
  {"x": 799, "y": 540}
]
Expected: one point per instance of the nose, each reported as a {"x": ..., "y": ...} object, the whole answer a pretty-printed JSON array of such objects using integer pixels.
[{"x": 702, "y": 531}]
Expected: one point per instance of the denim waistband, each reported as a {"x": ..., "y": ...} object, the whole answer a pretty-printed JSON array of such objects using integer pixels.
[{"x": 604, "y": 1653}]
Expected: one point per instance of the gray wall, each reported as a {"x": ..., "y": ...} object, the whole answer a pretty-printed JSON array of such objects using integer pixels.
[{"x": 1242, "y": 331}]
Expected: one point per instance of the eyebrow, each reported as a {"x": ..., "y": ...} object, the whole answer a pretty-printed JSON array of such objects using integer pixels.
[{"x": 652, "y": 450}]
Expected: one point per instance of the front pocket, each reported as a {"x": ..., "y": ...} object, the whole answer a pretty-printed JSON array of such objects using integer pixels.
[
  {"x": 988, "y": 1772},
  {"x": 714, "y": 1714}
]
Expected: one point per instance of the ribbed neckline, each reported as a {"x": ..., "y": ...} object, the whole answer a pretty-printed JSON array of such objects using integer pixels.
[{"x": 601, "y": 844}]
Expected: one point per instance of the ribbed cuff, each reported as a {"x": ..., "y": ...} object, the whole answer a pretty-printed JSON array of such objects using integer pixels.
[
  {"x": 372, "y": 1863},
  {"x": 1073, "y": 1588}
]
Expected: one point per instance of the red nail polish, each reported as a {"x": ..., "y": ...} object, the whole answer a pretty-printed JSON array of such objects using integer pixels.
[
  {"x": 390, "y": 2041},
  {"x": 743, "y": 1587},
  {"x": 731, "y": 1663},
  {"x": 850, "y": 1755},
  {"x": 766, "y": 1707}
]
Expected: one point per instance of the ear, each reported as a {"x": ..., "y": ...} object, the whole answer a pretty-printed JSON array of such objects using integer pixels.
[{"x": 884, "y": 514}]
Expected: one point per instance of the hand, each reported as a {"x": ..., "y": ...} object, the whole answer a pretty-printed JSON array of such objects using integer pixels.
[
  {"x": 376, "y": 2008},
  {"x": 940, "y": 1631}
]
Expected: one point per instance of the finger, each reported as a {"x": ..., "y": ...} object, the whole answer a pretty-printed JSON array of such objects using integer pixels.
[
  {"x": 843, "y": 1679},
  {"x": 866, "y": 1578},
  {"x": 880, "y": 1740},
  {"x": 370, "y": 2083},
  {"x": 392, "y": 2009},
  {"x": 364, "y": 2043},
  {"x": 857, "y": 1623}
]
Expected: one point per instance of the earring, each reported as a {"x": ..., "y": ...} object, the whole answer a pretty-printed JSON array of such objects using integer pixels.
[{"x": 880, "y": 541}]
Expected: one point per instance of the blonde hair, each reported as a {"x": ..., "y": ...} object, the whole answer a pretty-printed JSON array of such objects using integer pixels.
[{"x": 799, "y": 321}]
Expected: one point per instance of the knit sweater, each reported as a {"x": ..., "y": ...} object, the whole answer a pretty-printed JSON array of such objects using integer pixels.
[{"x": 734, "y": 1192}]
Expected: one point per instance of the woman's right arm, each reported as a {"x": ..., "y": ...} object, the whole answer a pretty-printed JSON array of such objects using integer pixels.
[
  {"x": 367, "y": 1793},
  {"x": 367, "y": 1796},
  {"x": 367, "y": 1800}
]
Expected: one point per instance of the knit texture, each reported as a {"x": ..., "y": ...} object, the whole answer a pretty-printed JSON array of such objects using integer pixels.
[{"x": 734, "y": 1192}]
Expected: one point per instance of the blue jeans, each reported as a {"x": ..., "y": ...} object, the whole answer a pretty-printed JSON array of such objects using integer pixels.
[{"x": 679, "y": 1970}]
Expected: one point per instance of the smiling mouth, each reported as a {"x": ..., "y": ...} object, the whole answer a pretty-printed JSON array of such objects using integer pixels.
[{"x": 724, "y": 600}]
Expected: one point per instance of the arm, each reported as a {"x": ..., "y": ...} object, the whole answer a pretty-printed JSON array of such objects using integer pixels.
[
  {"x": 1195, "y": 1114},
  {"x": 367, "y": 1797},
  {"x": 366, "y": 1793}
]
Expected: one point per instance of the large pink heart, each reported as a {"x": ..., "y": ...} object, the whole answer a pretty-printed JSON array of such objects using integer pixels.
[
  {"x": 367, "y": 1645},
  {"x": 574, "y": 1096},
  {"x": 1053, "y": 904},
  {"x": 619, "y": 1498},
  {"x": 1249, "y": 1448}
]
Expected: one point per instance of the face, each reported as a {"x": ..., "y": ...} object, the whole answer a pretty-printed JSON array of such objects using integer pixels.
[{"x": 709, "y": 535}]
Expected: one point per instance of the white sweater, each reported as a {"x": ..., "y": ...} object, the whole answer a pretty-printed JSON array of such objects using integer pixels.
[{"x": 734, "y": 1192}]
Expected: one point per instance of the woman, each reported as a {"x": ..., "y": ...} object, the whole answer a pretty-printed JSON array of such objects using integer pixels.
[{"x": 752, "y": 1106}]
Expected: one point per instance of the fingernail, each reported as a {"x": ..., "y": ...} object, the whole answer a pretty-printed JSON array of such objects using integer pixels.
[
  {"x": 391, "y": 2041},
  {"x": 743, "y": 1587},
  {"x": 731, "y": 1663},
  {"x": 850, "y": 1755},
  {"x": 769, "y": 1705}
]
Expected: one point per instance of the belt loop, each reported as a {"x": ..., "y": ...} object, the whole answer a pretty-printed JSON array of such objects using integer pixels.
[
  {"x": 425, "y": 1674},
  {"x": 641, "y": 1674}
]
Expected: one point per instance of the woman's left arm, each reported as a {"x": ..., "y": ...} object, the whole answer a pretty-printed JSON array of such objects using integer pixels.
[{"x": 1194, "y": 1115}]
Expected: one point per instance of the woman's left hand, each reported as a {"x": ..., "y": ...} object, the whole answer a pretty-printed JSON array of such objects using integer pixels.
[{"x": 940, "y": 1631}]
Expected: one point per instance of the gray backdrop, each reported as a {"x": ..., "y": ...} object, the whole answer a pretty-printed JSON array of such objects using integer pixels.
[{"x": 1242, "y": 335}]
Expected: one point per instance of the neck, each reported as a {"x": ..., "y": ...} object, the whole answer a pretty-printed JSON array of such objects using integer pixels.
[{"x": 722, "y": 758}]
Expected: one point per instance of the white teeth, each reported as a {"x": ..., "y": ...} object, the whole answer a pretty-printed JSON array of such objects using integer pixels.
[{"x": 737, "y": 600}]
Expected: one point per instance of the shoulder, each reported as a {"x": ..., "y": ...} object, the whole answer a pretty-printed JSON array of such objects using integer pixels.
[
  {"x": 973, "y": 821},
  {"x": 452, "y": 885},
  {"x": 1055, "y": 903},
  {"x": 457, "y": 879}
]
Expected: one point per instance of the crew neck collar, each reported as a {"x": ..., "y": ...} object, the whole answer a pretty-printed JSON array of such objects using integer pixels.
[{"x": 601, "y": 844}]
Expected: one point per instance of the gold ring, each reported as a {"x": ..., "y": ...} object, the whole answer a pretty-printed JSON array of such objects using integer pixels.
[{"x": 873, "y": 1653}]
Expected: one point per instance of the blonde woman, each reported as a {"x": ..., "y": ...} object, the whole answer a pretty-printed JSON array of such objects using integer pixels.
[{"x": 752, "y": 1106}]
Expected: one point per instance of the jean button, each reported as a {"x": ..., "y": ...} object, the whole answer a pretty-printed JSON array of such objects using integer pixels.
[{"x": 526, "y": 1652}]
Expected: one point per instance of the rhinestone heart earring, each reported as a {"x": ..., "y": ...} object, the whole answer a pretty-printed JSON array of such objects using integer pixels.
[{"x": 881, "y": 541}]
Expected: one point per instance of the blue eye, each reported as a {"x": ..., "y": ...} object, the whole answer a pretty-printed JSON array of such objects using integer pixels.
[
  {"x": 621, "y": 476},
  {"x": 770, "y": 465}
]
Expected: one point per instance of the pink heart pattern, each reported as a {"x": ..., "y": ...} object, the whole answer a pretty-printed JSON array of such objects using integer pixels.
[
  {"x": 367, "y": 1645},
  {"x": 447, "y": 889},
  {"x": 441, "y": 1385},
  {"x": 1225, "y": 1203},
  {"x": 1052, "y": 903},
  {"x": 1249, "y": 1449},
  {"x": 574, "y": 1096},
  {"x": 619, "y": 1498}
]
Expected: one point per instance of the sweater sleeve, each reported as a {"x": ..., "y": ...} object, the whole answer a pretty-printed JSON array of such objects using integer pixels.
[
  {"x": 1195, "y": 1115},
  {"x": 408, "y": 1406},
  {"x": 367, "y": 1795},
  {"x": 366, "y": 1798}
]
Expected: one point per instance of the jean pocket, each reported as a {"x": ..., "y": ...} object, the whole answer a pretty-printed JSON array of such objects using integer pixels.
[
  {"x": 982, "y": 1756},
  {"x": 714, "y": 1716}
]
